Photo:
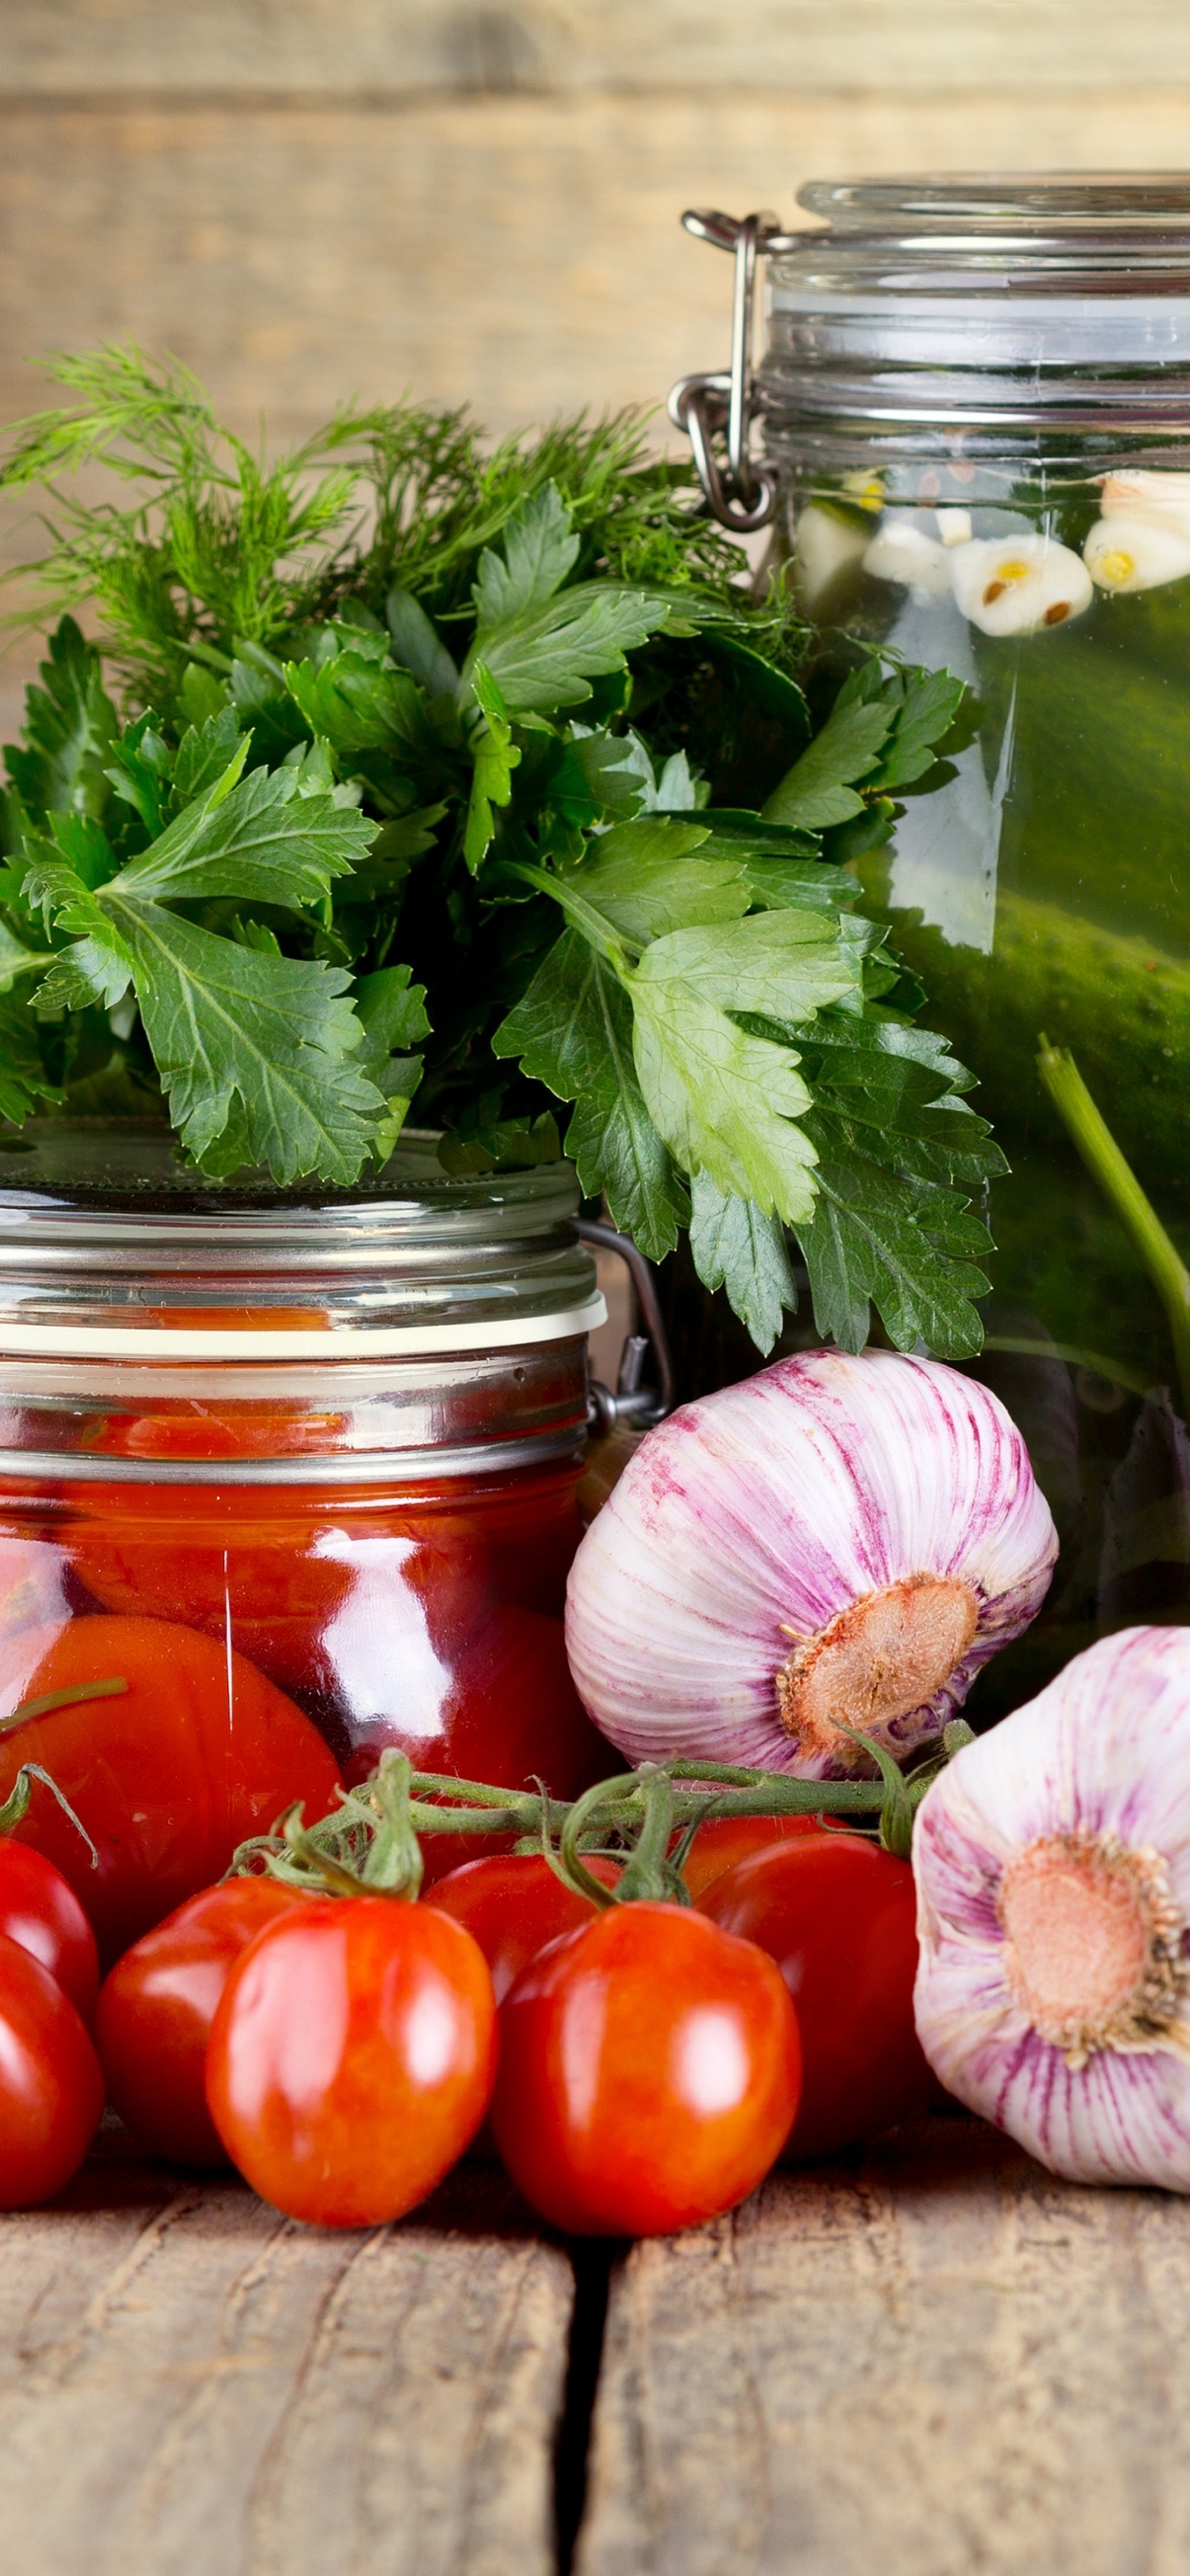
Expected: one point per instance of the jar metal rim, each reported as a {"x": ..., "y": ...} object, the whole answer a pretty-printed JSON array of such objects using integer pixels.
[{"x": 48, "y": 1468}]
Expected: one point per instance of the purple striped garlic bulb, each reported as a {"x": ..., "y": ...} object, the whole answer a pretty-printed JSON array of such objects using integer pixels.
[
  {"x": 1052, "y": 1862},
  {"x": 837, "y": 1542}
]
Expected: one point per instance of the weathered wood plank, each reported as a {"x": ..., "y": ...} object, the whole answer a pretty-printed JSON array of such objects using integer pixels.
[
  {"x": 409, "y": 46},
  {"x": 940, "y": 2361},
  {"x": 520, "y": 254},
  {"x": 193, "y": 2386}
]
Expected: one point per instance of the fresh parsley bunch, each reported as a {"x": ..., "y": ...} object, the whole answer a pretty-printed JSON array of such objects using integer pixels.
[{"x": 475, "y": 784}]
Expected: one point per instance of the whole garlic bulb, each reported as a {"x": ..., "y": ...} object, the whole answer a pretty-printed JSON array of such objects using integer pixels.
[
  {"x": 1052, "y": 1861},
  {"x": 836, "y": 1539}
]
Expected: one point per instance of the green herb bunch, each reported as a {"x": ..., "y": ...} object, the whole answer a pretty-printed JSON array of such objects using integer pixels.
[{"x": 473, "y": 783}]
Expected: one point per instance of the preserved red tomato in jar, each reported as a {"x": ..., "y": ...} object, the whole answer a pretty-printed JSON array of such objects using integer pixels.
[{"x": 335, "y": 1445}]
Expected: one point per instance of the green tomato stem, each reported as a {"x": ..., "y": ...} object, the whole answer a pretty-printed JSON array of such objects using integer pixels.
[{"x": 61, "y": 1699}]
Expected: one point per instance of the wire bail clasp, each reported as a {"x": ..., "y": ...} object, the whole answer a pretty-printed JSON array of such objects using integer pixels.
[{"x": 743, "y": 496}]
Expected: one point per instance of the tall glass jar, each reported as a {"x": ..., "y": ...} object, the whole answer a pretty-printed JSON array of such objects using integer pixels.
[
  {"x": 286, "y": 1480},
  {"x": 976, "y": 455}
]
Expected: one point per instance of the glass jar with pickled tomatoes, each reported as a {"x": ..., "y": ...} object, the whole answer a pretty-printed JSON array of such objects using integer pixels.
[{"x": 284, "y": 1479}]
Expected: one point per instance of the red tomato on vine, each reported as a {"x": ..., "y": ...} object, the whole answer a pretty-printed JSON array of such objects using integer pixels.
[
  {"x": 513, "y": 1904},
  {"x": 719, "y": 1844},
  {"x": 198, "y": 1753},
  {"x": 41, "y": 1913},
  {"x": 838, "y": 1914},
  {"x": 351, "y": 2057},
  {"x": 51, "y": 2087},
  {"x": 649, "y": 2075},
  {"x": 156, "y": 2010}
]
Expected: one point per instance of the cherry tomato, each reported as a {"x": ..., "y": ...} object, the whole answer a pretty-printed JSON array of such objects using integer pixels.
[
  {"x": 51, "y": 2085},
  {"x": 351, "y": 2057},
  {"x": 513, "y": 1904},
  {"x": 648, "y": 2076},
  {"x": 838, "y": 1915},
  {"x": 717, "y": 1846},
  {"x": 199, "y": 1752},
  {"x": 156, "y": 2010},
  {"x": 41, "y": 1913}
]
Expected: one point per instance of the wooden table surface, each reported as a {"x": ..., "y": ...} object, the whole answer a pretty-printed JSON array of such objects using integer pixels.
[{"x": 931, "y": 2359}]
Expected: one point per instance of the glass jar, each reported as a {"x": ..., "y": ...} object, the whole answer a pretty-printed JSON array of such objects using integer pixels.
[
  {"x": 976, "y": 456},
  {"x": 296, "y": 1478}
]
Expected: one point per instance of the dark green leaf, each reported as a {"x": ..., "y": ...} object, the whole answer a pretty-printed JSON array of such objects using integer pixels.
[
  {"x": 356, "y": 701},
  {"x": 931, "y": 702},
  {"x": 138, "y": 768},
  {"x": 261, "y": 839},
  {"x": 69, "y": 724},
  {"x": 205, "y": 754},
  {"x": 540, "y": 548},
  {"x": 646, "y": 879},
  {"x": 263, "y": 1045},
  {"x": 23, "y": 1080},
  {"x": 496, "y": 756},
  {"x": 417, "y": 645},
  {"x": 817, "y": 790},
  {"x": 878, "y": 1239},
  {"x": 736, "y": 1248},
  {"x": 547, "y": 657},
  {"x": 573, "y": 1031}
]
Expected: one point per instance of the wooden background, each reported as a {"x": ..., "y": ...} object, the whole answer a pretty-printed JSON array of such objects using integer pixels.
[{"x": 312, "y": 198}]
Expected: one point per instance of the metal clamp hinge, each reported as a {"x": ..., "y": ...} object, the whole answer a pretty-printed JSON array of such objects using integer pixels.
[
  {"x": 635, "y": 1402},
  {"x": 742, "y": 493}
]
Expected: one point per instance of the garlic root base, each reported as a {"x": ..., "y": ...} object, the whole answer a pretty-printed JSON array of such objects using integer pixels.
[{"x": 880, "y": 1658}]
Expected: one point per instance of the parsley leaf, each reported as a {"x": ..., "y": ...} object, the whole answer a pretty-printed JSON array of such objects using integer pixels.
[
  {"x": 496, "y": 756},
  {"x": 23, "y": 1081},
  {"x": 417, "y": 645},
  {"x": 70, "y": 723},
  {"x": 645, "y": 879},
  {"x": 736, "y": 1248},
  {"x": 905, "y": 1246},
  {"x": 540, "y": 548},
  {"x": 266, "y": 837},
  {"x": 392, "y": 1010},
  {"x": 725, "y": 1102},
  {"x": 356, "y": 699},
  {"x": 545, "y": 658},
  {"x": 254, "y": 1050},
  {"x": 573, "y": 1031},
  {"x": 817, "y": 792}
]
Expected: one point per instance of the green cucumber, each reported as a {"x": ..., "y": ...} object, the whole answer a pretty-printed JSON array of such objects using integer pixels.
[{"x": 1122, "y": 1005}]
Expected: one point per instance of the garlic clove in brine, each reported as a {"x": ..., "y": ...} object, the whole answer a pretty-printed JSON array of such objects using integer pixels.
[
  {"x": 903, "y": 552},
  {"x": 835, "y": 1543},
  {"x": 1016, "y": 584},
  {"x": 1161, "y": 498},
  {"x": 827, "y": 546},
  {"x": 1052, "y": 1861},
  {"x": 1136, "y": 553}
]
